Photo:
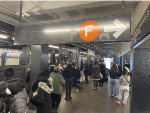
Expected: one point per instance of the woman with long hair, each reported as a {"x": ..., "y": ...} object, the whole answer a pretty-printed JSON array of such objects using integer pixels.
[
  {"x": 42, "y": 95},
  {"x": 114, "y": 80},
  {"x": 124, "y": 87}
]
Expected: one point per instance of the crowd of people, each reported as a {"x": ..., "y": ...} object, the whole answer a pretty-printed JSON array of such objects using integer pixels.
[{"x": 46, "y": 91}]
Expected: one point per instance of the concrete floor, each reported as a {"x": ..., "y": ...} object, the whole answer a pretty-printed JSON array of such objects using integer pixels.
[{"x": 88, "y": 100}]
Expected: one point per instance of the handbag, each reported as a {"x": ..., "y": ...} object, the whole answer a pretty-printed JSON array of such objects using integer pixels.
[
  {"x": 34, "y": 98},
  {"x": 100, "y": 76}
]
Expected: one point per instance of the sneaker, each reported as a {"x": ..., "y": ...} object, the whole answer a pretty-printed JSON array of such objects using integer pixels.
[
  {"x": 94, "y": 88},
  {"x": 70, "y": 98},
  {"x": 116, "y": 97},
  {"x": 77, "y": 90},
  {"x": 66, "y": 99},
  {"x": 124, "y": 104},
  {"x": 55, "y": 111},
  {"x": 118, "y": 102}
]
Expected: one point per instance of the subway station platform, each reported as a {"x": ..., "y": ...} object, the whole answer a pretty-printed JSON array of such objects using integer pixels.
[{"x": 88, "y": 100}]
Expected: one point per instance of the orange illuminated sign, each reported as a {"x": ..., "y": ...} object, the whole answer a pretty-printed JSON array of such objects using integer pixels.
[{"x": 89, "y": 30}]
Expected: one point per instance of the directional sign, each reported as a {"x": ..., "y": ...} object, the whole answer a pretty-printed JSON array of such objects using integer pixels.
[
  {"x": 119, "y": 28},
  {"x": 77, "y": 31}
]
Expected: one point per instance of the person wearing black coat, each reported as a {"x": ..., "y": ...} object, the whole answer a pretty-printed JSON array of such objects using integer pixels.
[
  {"x": 103, "y": 72},
  {"x": 42, "y": 95},
  {"x": 76, "y": 78},
  {"x": 86, "y": 72},
  {"x": 68, "y": 74},
  {"x": 114, "y": 80}
]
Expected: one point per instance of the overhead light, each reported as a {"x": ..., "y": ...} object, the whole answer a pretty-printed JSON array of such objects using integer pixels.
[
  {"x": 66, "y": 49},
  {"x": 56, "y": 30},
  {"x": 109, "y": 43},
  {"x": 13, "y": 38},
  {"x": 26, "y": 14},
  {"x": 83, "y": 52},
  {"x": 52, "y": 46},
  {"x": 3, "y": 36},
  {"x": 23, "y": 14}
]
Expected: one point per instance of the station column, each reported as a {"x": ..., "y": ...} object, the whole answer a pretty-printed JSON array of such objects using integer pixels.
[
  {"x": 25, "y": 55},
  {"x": 39, "y": 60},
  {"x": 140, "y": 80},
  {"x": 78, "y": 57}
]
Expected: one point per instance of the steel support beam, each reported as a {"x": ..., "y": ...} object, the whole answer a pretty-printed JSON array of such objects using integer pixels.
[
  {"x": 138, "y": 14},
  {"x": 68, "y": 32}
]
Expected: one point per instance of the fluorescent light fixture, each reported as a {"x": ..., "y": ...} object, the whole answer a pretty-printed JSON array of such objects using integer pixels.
[
  {"x": 52, "y": 46},
  {"x": 3, "y": 36},
  {"x": 67, "y": 49},
  {"x": 10, "y": 51},
  {"x": 83, "y": 52},
  {"x": 23, "y": 14},
  {"x": 26, "y": 14},
  {"x": 56, "y": 30}
]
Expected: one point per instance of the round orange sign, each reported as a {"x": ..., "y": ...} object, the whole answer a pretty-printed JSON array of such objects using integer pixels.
[{"x": 89, "y": 30}]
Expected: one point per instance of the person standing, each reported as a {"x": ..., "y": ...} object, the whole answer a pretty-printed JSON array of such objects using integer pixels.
[
  {"x": 16, "y": 95},
  {"x": 42, "y": 94},
  {"x": 86, "y": 72},
  {"x": 103, "y": 72},
  {"x": 68, "y": 74},
  {"x": 95, "y": 75},
  {"x": 124, "y": 87},
  {"x": 58, "y": 85},
  {"x": 19, "y": 100},
  {"x": 76, "y": 78},
  {"x": 114, "y": 80}
]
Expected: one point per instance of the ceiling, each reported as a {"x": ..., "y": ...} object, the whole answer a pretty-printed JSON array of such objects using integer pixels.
[
  {"x": 41, "y": 11},
  {"x": 34, "y": 11}
]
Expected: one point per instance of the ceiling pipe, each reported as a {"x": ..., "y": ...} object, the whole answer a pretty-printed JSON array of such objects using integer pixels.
[
  {"x": 46, "y": 12},
  {"x": 13, "y": 11},
  {"x": 20, "y": 13}
]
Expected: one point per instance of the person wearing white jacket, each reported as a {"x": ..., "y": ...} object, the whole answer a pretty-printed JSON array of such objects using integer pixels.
[{"x": 124, "y": 88}]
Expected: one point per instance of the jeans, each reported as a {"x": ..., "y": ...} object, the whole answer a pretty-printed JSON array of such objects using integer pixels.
[
  {"x": 56, "y": 98},
  {"x": 95, "y": 82},
  {"x": 68, "y": 89},
  {"x": 124, "y": 92},
  {"x": 114, "y": 87}
]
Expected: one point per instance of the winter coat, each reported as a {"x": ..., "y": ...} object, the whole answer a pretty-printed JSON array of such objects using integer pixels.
[
  {"x": 103, "y": 69},
  {"x": 58, "y": 82},
  {"x": 43, "y": 98},
  {"x": 86, "y": 70},
  {"x": 77, "y": 73},
  {"x": 96, "y": 73},
  {"x": 19, "y": 102},
  {"x": 15, "y": 85},
  {"x": 114, "y": 73},
  {"x": 69, "y": 72}
]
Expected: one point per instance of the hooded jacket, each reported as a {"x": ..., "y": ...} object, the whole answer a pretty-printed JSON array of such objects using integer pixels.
[
  {"x": 43, "y": 98},
  {"x": 69, "y": 72},
  {"x": 58, "y": 82},
  {"x": 19, "y": 102}
]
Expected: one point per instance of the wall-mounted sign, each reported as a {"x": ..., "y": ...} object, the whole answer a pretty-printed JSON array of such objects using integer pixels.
[{"x": 116, "y": 28}]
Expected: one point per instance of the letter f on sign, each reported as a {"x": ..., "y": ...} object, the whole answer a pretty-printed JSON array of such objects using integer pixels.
[{"x": 88, "y": 29}]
